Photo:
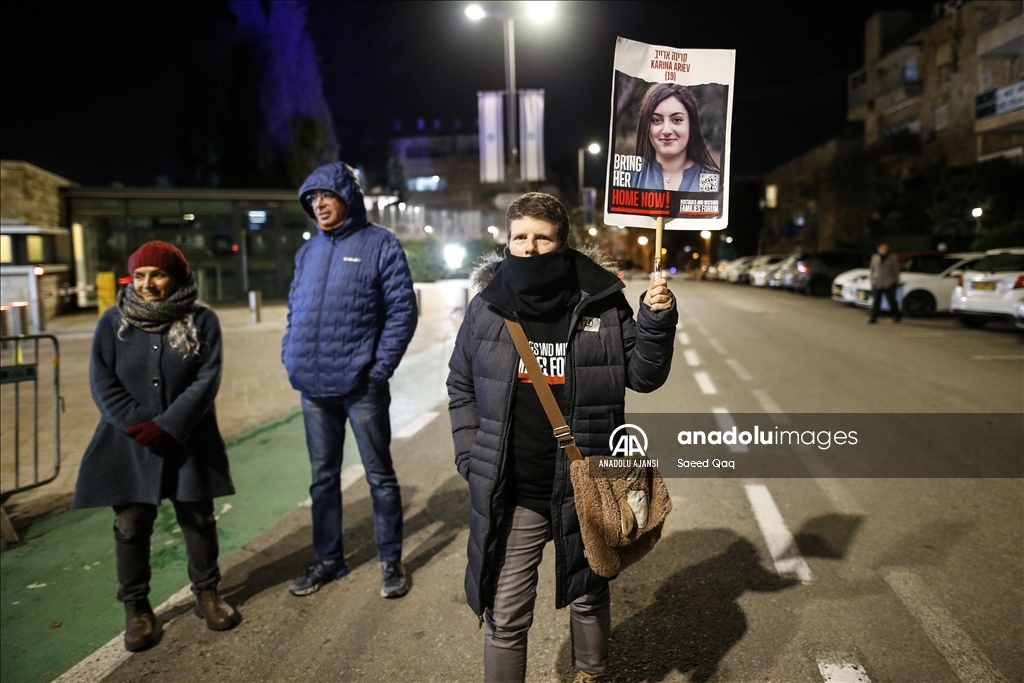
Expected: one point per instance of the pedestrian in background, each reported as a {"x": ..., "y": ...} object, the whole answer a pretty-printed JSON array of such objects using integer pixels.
[
  {"x": 351, "y": 315},
  {"x": 885, "y": 278},
  {"x": 591, "y": 350},
  {"x": 154, "y": 374}
]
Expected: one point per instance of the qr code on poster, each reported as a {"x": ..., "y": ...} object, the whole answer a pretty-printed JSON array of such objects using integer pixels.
[{"x": 709, "y": 182}]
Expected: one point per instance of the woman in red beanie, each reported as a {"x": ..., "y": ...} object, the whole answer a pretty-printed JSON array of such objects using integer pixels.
[{"x": 155, "y": 371}]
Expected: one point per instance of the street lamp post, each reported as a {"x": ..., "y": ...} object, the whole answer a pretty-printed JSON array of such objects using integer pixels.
[
  {"x": 706, "y": 234},
  {"x": 593, "y": 148},
  {"x": 977, "y": 212},
  {"x": 541, "y": 11}
]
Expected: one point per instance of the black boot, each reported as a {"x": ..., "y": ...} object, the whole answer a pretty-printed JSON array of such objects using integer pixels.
[
  {"x": 219, "y": 615},
  {"x": 141, "y": 629}
]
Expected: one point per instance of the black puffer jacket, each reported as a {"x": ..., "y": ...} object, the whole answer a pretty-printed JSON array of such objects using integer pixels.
[{"x": 607, "y": 353}]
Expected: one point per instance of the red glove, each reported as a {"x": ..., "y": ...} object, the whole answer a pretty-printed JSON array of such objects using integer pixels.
[{"x": 153, "y": 437}]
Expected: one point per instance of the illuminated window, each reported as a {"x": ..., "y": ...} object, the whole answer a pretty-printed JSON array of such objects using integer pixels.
[
  {"x": 771, "y": 196},
  {"x": 6, "y": 252},
  {"x": 35, "y": 248}
]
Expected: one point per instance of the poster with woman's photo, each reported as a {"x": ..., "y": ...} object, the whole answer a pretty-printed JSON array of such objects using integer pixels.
[{"x": 670, "y": 137}]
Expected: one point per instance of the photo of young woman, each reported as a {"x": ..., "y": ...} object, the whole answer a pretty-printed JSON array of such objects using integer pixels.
[{"x": 669, "y": 138}]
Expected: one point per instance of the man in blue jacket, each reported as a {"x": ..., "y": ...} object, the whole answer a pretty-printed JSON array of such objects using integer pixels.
[{"x": 351, "y": 315}]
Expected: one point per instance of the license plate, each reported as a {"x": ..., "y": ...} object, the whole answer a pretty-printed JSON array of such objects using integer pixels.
[
  {"x": 862, "y": 295},
  {"x": 987, "y": 286}
]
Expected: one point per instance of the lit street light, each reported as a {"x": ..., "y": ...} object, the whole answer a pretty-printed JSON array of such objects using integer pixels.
[
  {"x": 706, "y": 234},
  {"x": 976, "y": 212}
]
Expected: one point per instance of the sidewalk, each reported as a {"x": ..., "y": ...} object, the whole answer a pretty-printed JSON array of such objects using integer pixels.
[{"x": 57, "y": 588}]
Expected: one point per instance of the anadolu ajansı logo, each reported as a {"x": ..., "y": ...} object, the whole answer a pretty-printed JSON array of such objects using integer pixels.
[{"x": 631, "y": 443}]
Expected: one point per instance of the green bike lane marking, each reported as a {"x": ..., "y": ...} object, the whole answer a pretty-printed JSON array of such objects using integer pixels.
[
  {"x": 58, "y": 589},
  {"x": 270, "y": 470}
]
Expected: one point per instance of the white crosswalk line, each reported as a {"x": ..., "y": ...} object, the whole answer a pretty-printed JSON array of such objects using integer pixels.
[
  {"x": 684, "y": 339},
  {"x": 968, "y": 662},
  {"x": 705, "y": 383},
  {"x": 692, "y": 358},
  {"x": 778, "y": 538}
]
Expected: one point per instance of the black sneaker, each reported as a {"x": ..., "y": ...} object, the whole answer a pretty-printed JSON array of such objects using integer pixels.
[
  {"x": 317, "y": 574},
  {"x": 394, "y": 582}
]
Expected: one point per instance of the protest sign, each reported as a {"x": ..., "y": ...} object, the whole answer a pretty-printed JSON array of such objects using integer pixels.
[{"x": 669, "y": 142}]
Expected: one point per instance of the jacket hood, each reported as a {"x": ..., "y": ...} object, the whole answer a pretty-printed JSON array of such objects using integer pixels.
[
  {"x": 339, "y": 178},
  {"x": 483, "y": 272}
]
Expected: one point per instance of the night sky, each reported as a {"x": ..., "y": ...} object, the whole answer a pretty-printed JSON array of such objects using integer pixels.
[{"x": 96, "y": 91}]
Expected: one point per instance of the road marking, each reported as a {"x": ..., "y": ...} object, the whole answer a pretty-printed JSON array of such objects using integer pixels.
[
  {"x": 349, "y": 476},
  {"x": 769, "y": 406},
  {"x": 705, "y": 383},
  {"x": 787, "y": 559},
  {"x": 738, "y": 368},
  {"x": 998, "y": 357},
  {"x": 968, "y": 662},
  {"x": 679, "y": 324},
  {"x": 684, "y": 339},
  {"x": 700, "y": 328},
  {"x": 726, "y": 423},
  {"x": 842, "y": 672},
  {"x": 416, "y": 425},
  {"x": 717, "y": 346},
  {"x": 914, "y": 335},
  {"x": 692, "y": 359}
]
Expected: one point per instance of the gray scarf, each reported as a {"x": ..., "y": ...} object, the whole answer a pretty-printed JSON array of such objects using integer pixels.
[{"x": 157, "y": 316}]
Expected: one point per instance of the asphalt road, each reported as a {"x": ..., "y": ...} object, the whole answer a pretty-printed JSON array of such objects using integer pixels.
[{"x": 790, "y": 580}]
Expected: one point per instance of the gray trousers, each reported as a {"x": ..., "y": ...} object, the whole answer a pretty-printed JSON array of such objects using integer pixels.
[{"x": 508, "y": 622}]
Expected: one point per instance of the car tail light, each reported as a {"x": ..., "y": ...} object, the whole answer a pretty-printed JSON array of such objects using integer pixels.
[
  {"x": 802, "y": 268},
  {"x": 1019, "y": 284}
]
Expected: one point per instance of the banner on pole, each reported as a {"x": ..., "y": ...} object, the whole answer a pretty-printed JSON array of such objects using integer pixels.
[
  {"x": 492, "y": 136},
  {"x": 531, "y": 134},
  {"x": 669, "y": 143}
]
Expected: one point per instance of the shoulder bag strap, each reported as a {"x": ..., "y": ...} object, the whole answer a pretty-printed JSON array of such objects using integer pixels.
[{"x": 562, "y": 432}]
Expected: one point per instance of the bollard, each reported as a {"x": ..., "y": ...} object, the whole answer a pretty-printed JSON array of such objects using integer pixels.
[
  {"x": 35, "y": 301},
  {"x": 255, "y": 306},
  {"x": 16, "y": 319},
  {"x": 419, "y": 301}
]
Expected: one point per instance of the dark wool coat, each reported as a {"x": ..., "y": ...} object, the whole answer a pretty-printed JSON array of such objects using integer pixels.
[
  {"x": 139, "y": 377},
  {"x": 351, "y": 308},
  {"x": 604, "y": 357}
]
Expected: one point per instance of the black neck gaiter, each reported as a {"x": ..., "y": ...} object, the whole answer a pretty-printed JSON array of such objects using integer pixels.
[{"x": 543, "y": 284}]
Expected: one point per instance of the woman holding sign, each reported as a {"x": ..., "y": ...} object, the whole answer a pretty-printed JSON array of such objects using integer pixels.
[{"x": 669, "y": 139}]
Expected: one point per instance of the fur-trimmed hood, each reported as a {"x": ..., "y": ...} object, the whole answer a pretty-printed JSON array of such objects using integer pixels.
[{"x": 483, "y": 271}]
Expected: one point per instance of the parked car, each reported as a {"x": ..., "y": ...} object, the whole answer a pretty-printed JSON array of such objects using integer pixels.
[
  {"x": 990, "y": 288},
  {"x": 813, "y": 273},
  {"x": 738, "y": 270},
  {"x": 845, "y": 285},
  {"x": 764, "y": 266},
  {"x": 782, "y": 276},
  {"x": 926, "y": 283}
]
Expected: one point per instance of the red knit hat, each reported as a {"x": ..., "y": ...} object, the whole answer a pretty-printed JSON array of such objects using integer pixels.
[{"x": 162, "y": 255}]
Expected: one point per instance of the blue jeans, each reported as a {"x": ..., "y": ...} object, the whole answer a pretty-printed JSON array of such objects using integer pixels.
[{"x": 366, "y": 408}]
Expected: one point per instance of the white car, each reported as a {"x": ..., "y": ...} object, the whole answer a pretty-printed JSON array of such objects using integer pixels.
[
  {"x": 990, "y": 288},
  {"x": 737, "y": 270},
  {"x": 764, "y": 266},
  {"x": 926, "y": 283}
]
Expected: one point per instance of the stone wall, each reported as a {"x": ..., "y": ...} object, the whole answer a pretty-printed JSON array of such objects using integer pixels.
[{"x": 30, "y": 195}]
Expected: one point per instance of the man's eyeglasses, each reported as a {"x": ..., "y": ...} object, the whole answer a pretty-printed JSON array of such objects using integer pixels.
[{"x": 311, "y": 197}]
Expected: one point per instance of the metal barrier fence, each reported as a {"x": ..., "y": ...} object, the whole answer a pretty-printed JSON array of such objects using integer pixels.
[{"x": 21, "y": 366}]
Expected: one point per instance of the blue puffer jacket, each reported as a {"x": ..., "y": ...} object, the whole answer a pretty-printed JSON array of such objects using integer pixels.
[{"x": 351, "y": 308}]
